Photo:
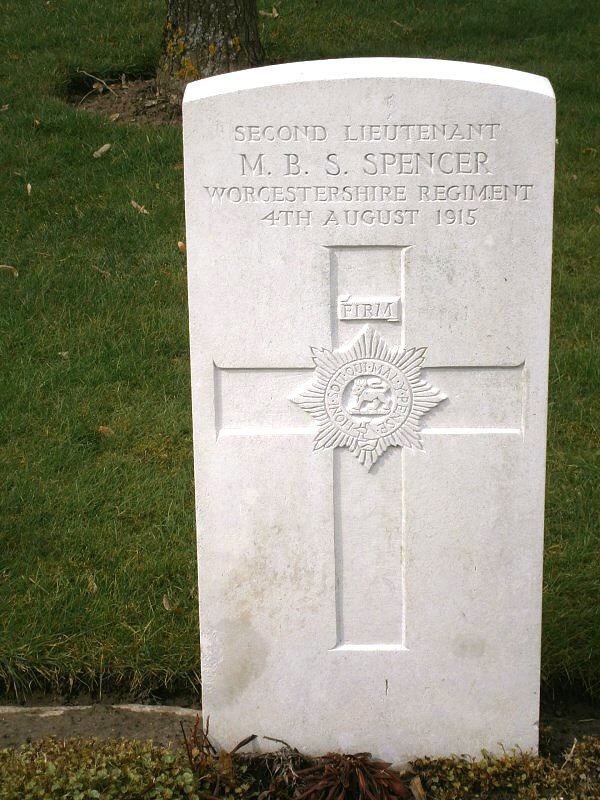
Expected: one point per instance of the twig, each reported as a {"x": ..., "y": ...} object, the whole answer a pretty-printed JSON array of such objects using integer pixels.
[
  {"x": 206, "y": 743},
  {"x": 280, "y": 741},
  {"x": 243, "y": 743},
  {"x": 570, "y": 754},
  {"x": 96, "y": 78},
  {"x": 91, "y": 91},
  {"x": 187, "y": 746}
]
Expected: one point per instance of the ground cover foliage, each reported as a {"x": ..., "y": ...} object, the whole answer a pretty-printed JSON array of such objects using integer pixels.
[
  {"x": 82, "y": 769},
  {"x": 97, "y": 572}
]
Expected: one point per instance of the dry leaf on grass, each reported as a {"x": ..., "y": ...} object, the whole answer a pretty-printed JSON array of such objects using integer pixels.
[
  {"x": 597, "y": 209},
  {"x": 92, "y": 585},
  {"x": 28, "y": 187},
  {"x": 4, "y": 107},
  {"x": 104, "y": 430},
  {"x": 139, "y": 208},
  {"x": 114, "y": 117},
  {"x": 104, "y": 272},
  {"x": 181, "y": 246},
  {"x": 273, "y": 13},
  {"x": 8, "y": 268},
  {"x": 168, "y": 605},
  {"x": 101, "y": 150},
  {"x": 64, "y": 354}
]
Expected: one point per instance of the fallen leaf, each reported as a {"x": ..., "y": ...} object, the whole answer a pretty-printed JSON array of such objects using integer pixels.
[
  {"x": 28, "y": 187},
  {"x": 104, "y": 430},
  {"x": 597, "y": 209},
  {"x": 64, "y": 354},
  {"x": 168, "y": 607},
  {"x": 36, "y": 123},
  {"x": 590, "y": 151},
  {"x": 101, "y": 150},
  {"x": 104, "y": 272},
  {"x": 273, "y": 13},
  {"x": 225, "y": 763},
  {"x": 8, "y": 268},
  {"x": 139, "y": 208},
  {"x": 416, "y": 788},
  {"x": 181, "y": 246},
  {"x": 92, "y": 585},
  {"x": 114, "y": 117},
  {"x": 4, "y": 107}
]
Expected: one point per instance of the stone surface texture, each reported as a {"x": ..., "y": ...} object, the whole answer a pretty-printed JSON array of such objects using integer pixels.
[{"x": 369, "y": 250}]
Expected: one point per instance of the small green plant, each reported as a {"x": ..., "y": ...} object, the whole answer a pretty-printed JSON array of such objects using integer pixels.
[
  {"x": 219, "y": 774},
  {"x": 77, "y": 769},
  {"x": 518, "y": 775}
]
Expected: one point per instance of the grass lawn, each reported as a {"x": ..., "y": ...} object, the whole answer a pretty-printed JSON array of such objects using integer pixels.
[{"x": 97, "y": 555}]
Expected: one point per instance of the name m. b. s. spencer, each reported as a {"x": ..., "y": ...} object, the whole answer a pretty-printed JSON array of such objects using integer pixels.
[{"x": 382, "y": 163}]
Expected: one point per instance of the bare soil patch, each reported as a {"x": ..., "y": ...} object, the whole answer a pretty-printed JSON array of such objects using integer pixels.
[
  {"x": 161, "y": 724},
  {"x": 129, "y": 101},
  {"x": 563, "y": 721}
]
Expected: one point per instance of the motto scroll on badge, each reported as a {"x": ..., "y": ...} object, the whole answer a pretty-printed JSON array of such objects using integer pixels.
[{"x": 368, "y": 396}]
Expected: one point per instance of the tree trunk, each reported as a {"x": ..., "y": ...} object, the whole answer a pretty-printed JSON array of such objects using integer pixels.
[{"x": 206, "y": 37}]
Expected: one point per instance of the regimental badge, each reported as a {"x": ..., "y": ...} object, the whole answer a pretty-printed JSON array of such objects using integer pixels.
[{"x": 368, "y": 396}]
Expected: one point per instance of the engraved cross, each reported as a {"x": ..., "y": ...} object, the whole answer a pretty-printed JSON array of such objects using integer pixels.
[{"x": 370, "y": 509}]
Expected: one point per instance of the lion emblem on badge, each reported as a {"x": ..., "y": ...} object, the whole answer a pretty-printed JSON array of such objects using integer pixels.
[{"x": 368, "y": 396}]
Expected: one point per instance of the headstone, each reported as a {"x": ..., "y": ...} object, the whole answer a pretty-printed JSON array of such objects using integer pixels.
[{"x": 369, "y": 247}]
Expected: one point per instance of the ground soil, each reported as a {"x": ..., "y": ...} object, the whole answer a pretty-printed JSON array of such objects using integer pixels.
[
  {"x": 162, "y": 724},
  {"x": 130, "y": 101}
]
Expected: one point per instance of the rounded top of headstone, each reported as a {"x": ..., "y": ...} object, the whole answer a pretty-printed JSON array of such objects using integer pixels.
[{"x": 355, "y": 68}]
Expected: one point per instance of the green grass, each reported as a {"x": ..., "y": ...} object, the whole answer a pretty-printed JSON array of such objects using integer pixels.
[{"x": 97, "y": 528}]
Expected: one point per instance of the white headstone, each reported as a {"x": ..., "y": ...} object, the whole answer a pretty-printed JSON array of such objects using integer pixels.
[{"x": 369, "y": 246}]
